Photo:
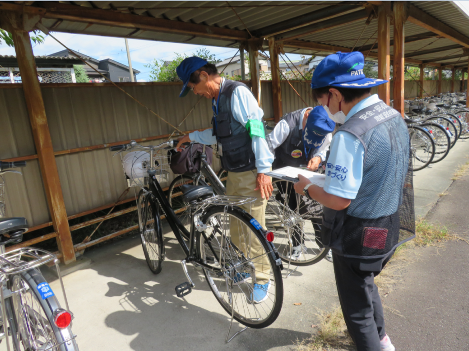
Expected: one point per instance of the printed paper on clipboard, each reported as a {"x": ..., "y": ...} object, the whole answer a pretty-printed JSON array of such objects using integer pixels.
[{"x": 291, "y": 174}]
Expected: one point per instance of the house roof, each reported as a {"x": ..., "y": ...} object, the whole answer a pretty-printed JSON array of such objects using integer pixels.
[
  {"x": 41, "y": 61},
  {"x": 92, "y": 59}
]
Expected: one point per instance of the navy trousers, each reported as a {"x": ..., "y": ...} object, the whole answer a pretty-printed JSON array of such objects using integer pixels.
[{"x": 360, "y": 300}]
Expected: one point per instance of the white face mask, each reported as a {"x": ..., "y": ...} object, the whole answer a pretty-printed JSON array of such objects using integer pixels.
[{"x": 339, "y": 117}]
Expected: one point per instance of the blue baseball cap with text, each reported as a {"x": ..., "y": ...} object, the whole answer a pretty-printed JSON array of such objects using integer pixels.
[
  {"x": 186, "y": 68},
  {"x": 344, "y": 70},
  {"x": 317, "y": 127}
]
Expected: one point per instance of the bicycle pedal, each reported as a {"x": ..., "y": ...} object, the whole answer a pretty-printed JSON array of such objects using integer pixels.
[{"x": 183, "y": 289}]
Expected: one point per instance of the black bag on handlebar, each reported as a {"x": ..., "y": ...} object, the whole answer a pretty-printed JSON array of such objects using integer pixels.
[{"x": 188, "y": 160}]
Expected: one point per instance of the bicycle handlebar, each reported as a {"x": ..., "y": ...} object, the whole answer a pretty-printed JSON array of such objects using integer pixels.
[
  {"x": 7, "y": 165},
  {"x": 118, "y": 147},
  {"x": 167, "y": 145}
]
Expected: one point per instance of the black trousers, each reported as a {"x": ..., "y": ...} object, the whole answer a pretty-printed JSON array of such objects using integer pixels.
[{"x": 360, "y": 300}]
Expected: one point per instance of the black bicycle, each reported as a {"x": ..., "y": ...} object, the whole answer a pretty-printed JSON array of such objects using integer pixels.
[{"x": 234, "y": 251}]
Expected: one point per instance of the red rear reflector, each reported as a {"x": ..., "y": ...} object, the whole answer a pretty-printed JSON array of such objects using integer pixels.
[
  {"x": 269, "y": 236},
  {"x": 431, "y": 131},
  {"x": 63, "y": 319}
]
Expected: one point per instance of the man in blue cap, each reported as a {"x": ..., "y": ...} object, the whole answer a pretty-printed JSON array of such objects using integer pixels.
[
  {"x": 302, "y": 137},
  {"x": 367, "y": 196},
  {"x": 238, "y": 132}
]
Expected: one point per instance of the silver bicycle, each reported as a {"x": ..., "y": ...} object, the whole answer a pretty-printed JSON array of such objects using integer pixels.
[{"x": 31, "y": 317}]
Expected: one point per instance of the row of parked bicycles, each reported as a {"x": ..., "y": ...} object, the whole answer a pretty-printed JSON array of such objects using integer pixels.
[{"x": 435, "y": 125}]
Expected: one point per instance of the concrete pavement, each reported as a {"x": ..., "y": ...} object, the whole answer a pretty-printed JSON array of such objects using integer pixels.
[{"x": 120, "y": 305}]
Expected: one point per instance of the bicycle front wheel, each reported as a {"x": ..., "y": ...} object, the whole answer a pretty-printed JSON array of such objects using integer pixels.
[
  {"x": 440, "y": 138},
  {"x": 245, "y": 278},
  {"x": 299, "y": 244},
  {"x": 33, "y": 320},
  {"x": 151, "y": 233}
]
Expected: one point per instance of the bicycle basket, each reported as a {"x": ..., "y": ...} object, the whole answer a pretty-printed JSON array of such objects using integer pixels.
[{"x": 137, "y": 163}]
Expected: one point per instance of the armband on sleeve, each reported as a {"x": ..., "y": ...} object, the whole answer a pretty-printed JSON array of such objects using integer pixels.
[{"x": 255, "y": 128}]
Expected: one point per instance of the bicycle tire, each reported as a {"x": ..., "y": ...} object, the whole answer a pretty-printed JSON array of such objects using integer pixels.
[
  {"x": 33, "y": 316},
  {"x": 440, "y": 138},
  {"x": 463, "y": 115},
  {"x": 215, "y": 247},
  {"x": 312, "y": 250},
  {"x": 457, "y": 123},
  {"x": 420, "y": 140},
  {"x": 151, "y": 232},
  {"x": 447, "y": 124}
]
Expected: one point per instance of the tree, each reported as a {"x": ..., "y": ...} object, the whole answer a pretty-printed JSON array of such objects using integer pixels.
[
  {"x": 36, "y": 38},
  {"x": 369, "y": 71},
  {"x": 165, "y": 71},
  {"x": 80, "y": 74}
]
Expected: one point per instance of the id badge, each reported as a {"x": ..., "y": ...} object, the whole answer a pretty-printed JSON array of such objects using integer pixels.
[{"x": 220, "y": 149}]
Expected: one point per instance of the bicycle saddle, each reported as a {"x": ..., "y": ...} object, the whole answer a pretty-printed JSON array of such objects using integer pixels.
[
  {"x": 195, "y": 192},
  {"x": 14, "y": 227}
]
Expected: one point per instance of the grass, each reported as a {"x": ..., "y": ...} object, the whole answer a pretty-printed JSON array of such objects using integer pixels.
[
  {"x": 461, "y": 171},
  {"x": 332, "y": 332}
]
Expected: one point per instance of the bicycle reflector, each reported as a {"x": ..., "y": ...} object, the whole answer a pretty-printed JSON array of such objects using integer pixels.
[
  {"x": 269, "y": 236},
  {"x": 62, "y": 318}
]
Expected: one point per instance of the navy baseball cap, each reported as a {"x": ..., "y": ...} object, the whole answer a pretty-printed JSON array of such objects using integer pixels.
[
  {"x": 317, "y": 127},
  {"x": 186, "y": 68},
  {"x": 343, "y": 70}
]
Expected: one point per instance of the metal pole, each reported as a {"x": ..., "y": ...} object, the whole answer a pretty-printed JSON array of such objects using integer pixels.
[{"x": 131, "y": 71}]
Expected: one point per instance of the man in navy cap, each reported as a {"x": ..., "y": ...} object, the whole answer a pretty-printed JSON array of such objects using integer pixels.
[
  {"x": 301, "y": 138},
  {"x": 368, "y": 211},
  {"x": 238, "y": 132}
]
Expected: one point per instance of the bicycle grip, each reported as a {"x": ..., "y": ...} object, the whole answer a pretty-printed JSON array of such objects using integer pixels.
[
  {"x": 117, "y": 147},
  {"x": 7, "y": 165}
]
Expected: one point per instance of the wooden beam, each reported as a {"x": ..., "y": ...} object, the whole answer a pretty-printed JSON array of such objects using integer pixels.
[
  {"x": 305, "y": 20},
  {"x": 384, "y": 56},
  {"x": 398, "y": 66},
  {"x": 423, "y": 19},
  {"x": 440, "y": 79},
  {"x": 432, "y": 51},
  {"x": 445, "y": 58},
  {"x": 75, "y": 13},
  {"x": 19, "y": 25},
  {"x": 253, "y": 48},
  {"x": 453, "y": 74},
  {"x": 325, "y": 25},
  {"x": 241, "y": 59},
  {"x": 276, "y": 88},
  {"x": 422, "y": 76},
  {"x": 309, "y": 45},
  {"x": 408, "y": 40}
]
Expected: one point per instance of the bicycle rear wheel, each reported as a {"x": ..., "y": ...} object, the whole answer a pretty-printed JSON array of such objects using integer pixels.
[
  {"x": 151, "y": 233},
  {"x": 301, "y": 247},
  {"x": 421, "y": 146},
  {"x": 448, "y": 124},
  {"x": 33, "y": 319},
  {"x": 240, "y": 266}
]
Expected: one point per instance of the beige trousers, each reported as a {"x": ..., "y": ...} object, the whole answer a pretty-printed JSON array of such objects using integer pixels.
[{"x": 243, "y": 184}]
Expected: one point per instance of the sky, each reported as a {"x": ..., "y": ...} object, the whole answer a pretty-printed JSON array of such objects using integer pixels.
[{"x": 141, "y": 51}]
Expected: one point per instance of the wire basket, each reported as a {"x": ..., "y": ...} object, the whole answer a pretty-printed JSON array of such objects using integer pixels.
[{"x": 136, "y": 165}]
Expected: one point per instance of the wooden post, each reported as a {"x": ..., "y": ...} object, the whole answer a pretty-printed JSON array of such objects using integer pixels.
[
  {"x": 422, "y": 75},
  {"x": 276, "y": 88},
  {"x": 254, "y": 69},
  {"x": 440, "y": 79},
  {"x": 399, "y": 9},
  {"x": 453, "y": 76},
  {"x": 241, "y": 60},
  {"x": 384, "y": 56},
  {"x": 19, "y": 24}
]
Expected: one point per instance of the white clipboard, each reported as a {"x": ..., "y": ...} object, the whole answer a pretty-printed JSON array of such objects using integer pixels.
[{"x": 291, "y": 174}]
